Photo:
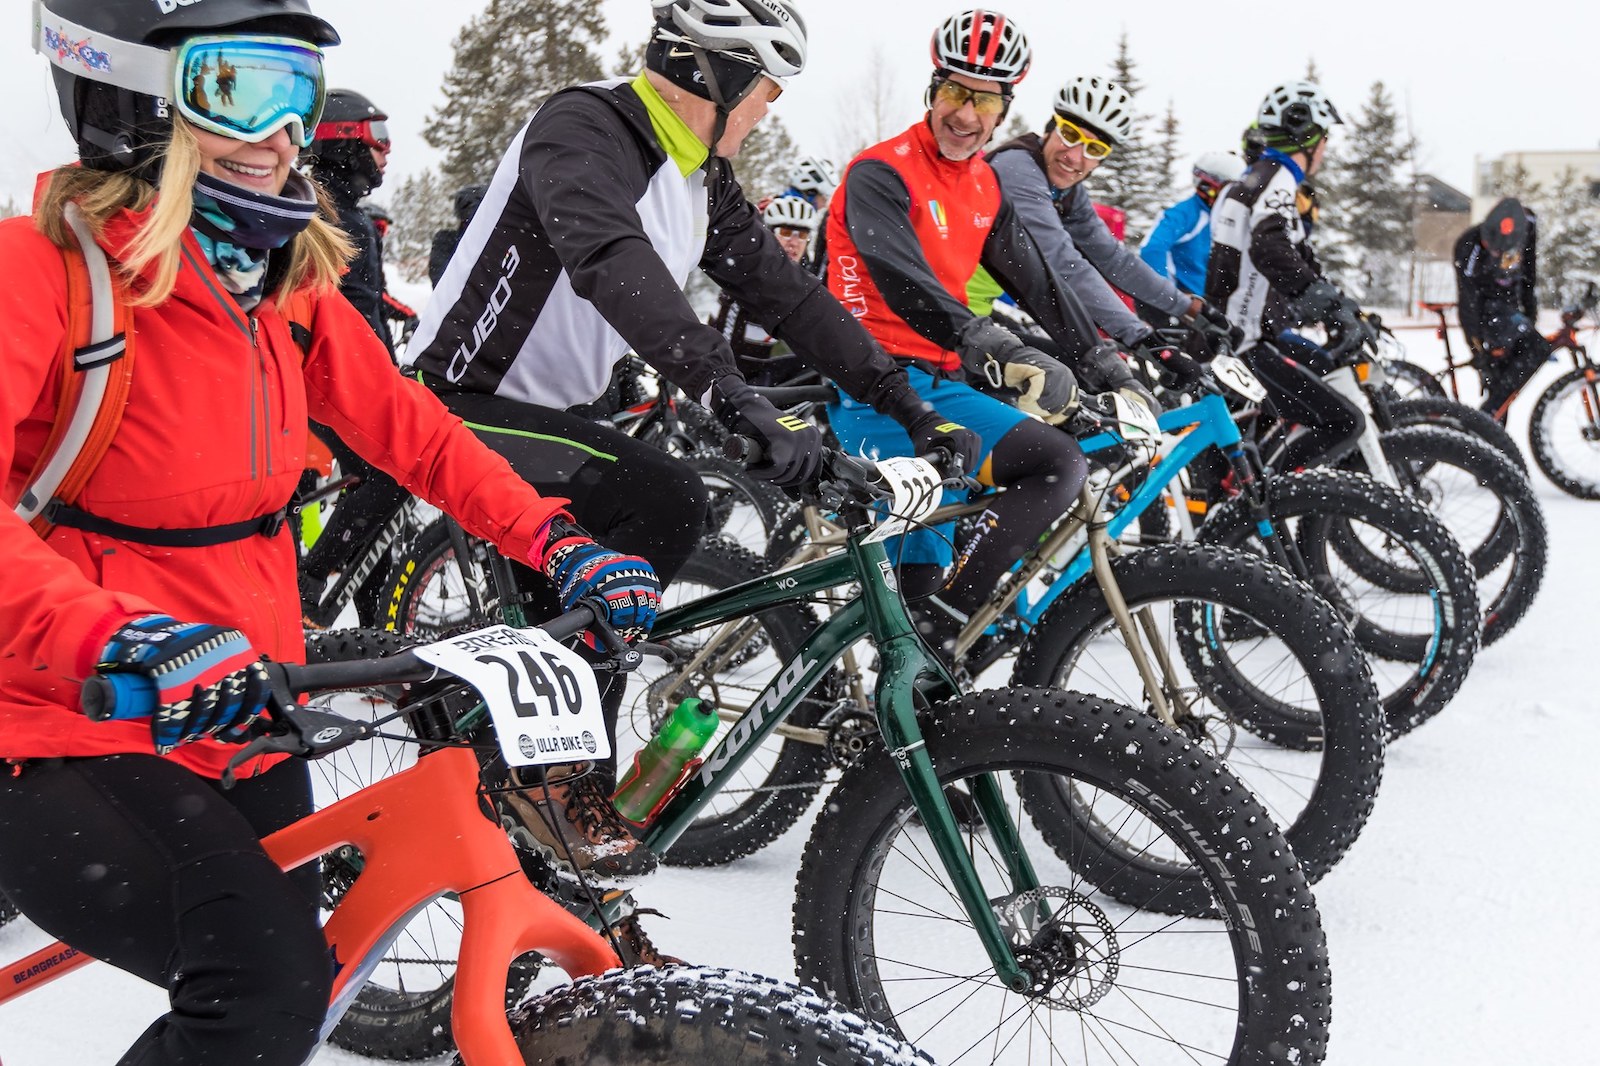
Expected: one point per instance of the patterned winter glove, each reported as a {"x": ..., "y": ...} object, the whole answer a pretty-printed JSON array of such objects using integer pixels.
[
  {"x": 580, "y": 569},
  {"x": 210, "y": 681}
]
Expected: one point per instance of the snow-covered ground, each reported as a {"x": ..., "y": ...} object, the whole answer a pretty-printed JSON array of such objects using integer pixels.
[{"x": 1458, "y": 926}]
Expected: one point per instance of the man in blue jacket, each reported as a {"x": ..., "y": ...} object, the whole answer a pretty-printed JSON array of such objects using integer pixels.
[{"x": 1180, "y": 245}]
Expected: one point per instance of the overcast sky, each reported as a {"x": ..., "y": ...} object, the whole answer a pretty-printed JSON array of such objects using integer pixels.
[{"x": 1476, "y": 78}]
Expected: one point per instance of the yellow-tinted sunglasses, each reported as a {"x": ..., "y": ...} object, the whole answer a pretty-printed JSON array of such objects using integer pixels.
[
  {"x": 1071, "y": 133},
  {"x": 956, "y": 95}
]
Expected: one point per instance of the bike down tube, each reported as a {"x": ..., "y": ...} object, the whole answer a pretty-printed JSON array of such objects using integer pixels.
[{"x": 1208, "y": 422}]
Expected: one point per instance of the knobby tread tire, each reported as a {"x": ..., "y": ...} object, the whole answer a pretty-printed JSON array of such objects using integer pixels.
[
  {"x": 420, "y": 558},
  {"x": 699, "y": 1016},
  {"x": 1453, "y": 414},
  {"x": 1420, "y": 381},
  {"x": 1539, "y": 437},
  {"x": 1321, "y": 497},
  {"x": 1240, "y": 862},
  {"x": 1349, "y": 730},
  {"x": 1520, "y": 534},
  {"x": 775, "y": 508}
]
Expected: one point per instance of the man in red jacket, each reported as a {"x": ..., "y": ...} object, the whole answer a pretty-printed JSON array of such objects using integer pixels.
[{"x": 915, "y": 218}]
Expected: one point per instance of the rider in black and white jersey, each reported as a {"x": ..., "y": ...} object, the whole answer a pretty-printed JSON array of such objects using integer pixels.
[
  {"x": 601, "y": 206},
  {"x": 1265, "y": 274}
]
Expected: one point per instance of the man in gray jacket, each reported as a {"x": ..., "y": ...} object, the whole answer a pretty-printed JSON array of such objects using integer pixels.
[{"x": 1041, "y": 177}]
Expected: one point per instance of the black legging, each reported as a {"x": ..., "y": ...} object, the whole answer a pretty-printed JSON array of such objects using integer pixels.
[
  {"x": 1504, "y": 375},
  {"x": 630, "y": 496},
  {"x": 1042, "y": 469},
  {"x": 141, "y": 863},
  {"x": 1332, "y": 424}
]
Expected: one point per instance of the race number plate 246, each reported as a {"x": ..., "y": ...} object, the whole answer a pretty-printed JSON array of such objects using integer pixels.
[{"x": 542, "y": 696}]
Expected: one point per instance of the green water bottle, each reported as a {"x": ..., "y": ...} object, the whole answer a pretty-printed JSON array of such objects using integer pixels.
[{"x": 658, "y": 765}]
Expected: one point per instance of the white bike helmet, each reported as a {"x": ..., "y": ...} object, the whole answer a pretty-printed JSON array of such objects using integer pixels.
[
  {"x": 985, "y": 44},
  {"x": 790, "y": 211},
  {"x": 769, "y": 34},
  {"x": 1216, "y": 169},
  {"x": 814, "y": 174},
  {"x": 1296, "y": 115},
  {"x": 1099, "y": 102}
]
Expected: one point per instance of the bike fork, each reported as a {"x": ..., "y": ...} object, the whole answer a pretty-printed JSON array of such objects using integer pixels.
[{"x": 903, "y": 739}]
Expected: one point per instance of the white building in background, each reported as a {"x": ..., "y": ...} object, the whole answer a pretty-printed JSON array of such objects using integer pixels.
[{"x": 1544, "y": 168}]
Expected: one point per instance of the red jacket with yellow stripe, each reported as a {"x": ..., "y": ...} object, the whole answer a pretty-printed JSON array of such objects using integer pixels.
[{"x": 214, "y": 433}]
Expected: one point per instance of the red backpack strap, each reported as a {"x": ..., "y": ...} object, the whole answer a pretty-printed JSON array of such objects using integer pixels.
[{"x": 96, "y": 374}]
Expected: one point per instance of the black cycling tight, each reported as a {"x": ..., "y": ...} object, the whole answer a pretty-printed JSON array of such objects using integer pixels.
[
  {"x": 1332, "y": 425},
  {"x": 143, "y": 864},
  {"x": 1042, "y": 469},
  {"x": 630, "y": 496}
]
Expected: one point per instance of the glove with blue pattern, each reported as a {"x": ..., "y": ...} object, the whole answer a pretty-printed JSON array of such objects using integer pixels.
[
  {"x": 580, "y": 569},
  {"x": 209, "y": 680}
]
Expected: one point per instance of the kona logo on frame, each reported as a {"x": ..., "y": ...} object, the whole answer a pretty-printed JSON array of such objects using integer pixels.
[{"x": 746, "y": 727}]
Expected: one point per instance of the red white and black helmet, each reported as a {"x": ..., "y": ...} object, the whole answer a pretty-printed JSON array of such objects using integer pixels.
[{"x": 984, "y": 44}]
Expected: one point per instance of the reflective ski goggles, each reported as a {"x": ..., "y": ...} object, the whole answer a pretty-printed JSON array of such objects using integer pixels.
[
  {"x": 956, "y": 95},
  {"x": 372, "y": 132},
  {"x": 1072, "y": 134},
  {"x": 248, "y": 88}
]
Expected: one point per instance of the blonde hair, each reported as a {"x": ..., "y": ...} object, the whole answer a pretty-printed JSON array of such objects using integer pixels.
[{"x": 317, "y": 256}]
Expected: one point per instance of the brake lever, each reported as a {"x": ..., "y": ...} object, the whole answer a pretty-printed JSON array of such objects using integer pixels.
[
  {"x": 304, "y": 731},
  {"x": 620, "y": 656}
]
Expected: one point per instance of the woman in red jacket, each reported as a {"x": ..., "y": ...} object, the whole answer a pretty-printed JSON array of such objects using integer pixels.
[{"x": 172, "y": 560}]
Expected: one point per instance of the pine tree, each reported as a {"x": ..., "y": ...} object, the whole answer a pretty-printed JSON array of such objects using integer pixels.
[
  {"x": 420, "y": 207},
  {"x": 765, "y": 160},
  {"x": 1167, "y": 152},
  {"x": 1569, "y": 239},
  {"x": 1367, "y": 201},
  {"x": 508, "y": 60},
  {"x": 1130, "y": 178},
  {"x": 10, "y": 209}
]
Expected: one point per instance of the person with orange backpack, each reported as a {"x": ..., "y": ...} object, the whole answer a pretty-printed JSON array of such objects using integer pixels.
[{"x": 152, "y": 429}]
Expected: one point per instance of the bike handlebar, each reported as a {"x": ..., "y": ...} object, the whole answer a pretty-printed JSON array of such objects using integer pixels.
[
  {"x": 795, "y": 395},
  {"x": 124, "y": 696}
]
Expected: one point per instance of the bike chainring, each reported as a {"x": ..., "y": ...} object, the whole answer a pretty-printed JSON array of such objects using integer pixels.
[{"x": 852, "y": 733}]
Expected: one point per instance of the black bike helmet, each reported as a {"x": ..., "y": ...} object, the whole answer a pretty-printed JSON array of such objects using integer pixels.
[
  {"x": 468, "y": 199},
  {"x": 1505, "y": 229},
  {"x": 121, "y": 126},
  {"x": 341, "y": 157}
]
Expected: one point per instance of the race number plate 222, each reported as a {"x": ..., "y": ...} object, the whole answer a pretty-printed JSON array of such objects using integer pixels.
[{"x": 542, "y": 696}]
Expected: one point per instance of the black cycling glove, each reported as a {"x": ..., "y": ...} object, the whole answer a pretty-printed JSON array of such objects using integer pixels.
[{"x": 793, "y": 447}]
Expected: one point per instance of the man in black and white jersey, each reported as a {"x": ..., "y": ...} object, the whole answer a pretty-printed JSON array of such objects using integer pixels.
[
  {"x": 598, "y": 211},
  {"x": 1266, "y": 277}
]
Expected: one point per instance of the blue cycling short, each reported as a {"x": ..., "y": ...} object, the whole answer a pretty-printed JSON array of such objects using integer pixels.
[{"x": 861, "y": 430}]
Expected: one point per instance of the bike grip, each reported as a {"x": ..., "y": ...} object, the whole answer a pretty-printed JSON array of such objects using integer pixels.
[
  {"x": 117, "y": 697},
  {"x": 741, "y": 449}
]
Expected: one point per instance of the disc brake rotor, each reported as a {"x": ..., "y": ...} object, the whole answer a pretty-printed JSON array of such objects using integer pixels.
[{"x": 1065, "y": 942}]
